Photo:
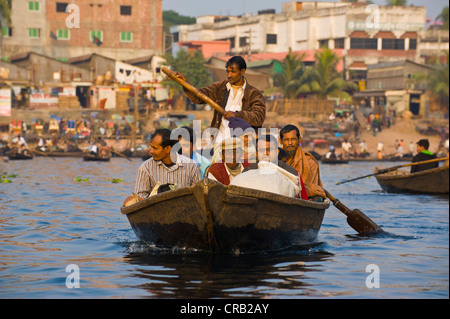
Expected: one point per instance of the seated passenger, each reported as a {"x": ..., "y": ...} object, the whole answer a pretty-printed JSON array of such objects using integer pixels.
[
  {"x": 423, "y": 154},
  {"x": 267, "y": 150},
  {"x": 187, "y": 142},
  {"x": 303, "y": 162},
  {"x": 230, "y": 164},
  {"x": 165, "y": 166}
]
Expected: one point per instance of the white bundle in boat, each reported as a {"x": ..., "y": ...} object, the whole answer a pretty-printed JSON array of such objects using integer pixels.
[{"x": 269, "y": 178}]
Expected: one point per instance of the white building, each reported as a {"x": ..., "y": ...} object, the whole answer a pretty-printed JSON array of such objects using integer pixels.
[{"x": 367, "y": 34}]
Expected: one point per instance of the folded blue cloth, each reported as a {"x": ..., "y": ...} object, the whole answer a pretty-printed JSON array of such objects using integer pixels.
[{"x": 237, "y": 122}]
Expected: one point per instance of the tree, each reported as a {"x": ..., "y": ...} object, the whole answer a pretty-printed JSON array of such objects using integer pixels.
[
  {"x": 171, "y": 18},
  {"x": 444, "y": 18},
  {"x": 192, "y": 66},
  {"x": 328, "y": 81},
  {"x": 5, "y": 13},
  {"x": 296, "y": 78},
  {"x": 400, "y": 3},
  {"x": 437, "y": 80}
]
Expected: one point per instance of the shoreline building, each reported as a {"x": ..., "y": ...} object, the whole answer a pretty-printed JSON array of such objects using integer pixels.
[
  {"x": 65, "y": 29},
  {"x": 366, "y": 34}
]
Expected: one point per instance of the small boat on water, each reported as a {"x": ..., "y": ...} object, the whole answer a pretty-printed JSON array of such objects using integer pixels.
[
  {"x": 432, "y": 181},
  {"x": 325, "y": 160},
  {"x": 23, "y": 155},
  {"x": 60, "y": 154},
  {"x": 212, "y": 217},
  {"x": 96, "y": 157}
]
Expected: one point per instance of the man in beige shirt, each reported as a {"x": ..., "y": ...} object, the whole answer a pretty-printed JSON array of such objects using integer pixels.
[{"x": 165, "y": 166}]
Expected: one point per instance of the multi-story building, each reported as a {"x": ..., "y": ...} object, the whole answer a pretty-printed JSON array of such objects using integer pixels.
[
  {"x": 366, "y": 34},
  {"x": 119, "y": 29}
]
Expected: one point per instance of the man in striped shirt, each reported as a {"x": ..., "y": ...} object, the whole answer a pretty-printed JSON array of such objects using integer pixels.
[{"x": 165, "y": 166}]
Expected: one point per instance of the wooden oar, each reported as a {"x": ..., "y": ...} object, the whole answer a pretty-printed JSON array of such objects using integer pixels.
[
  {"x": 356, "y": 218},
  {"x": 43, "y": 153},
  {"x": 193, "y": 90},
  {"x": 393, "y": 168},
  {"x": 120, "y": 154}
]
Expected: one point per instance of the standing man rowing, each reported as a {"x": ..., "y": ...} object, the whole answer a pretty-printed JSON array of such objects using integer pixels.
[{"x": 236, "y": 96}]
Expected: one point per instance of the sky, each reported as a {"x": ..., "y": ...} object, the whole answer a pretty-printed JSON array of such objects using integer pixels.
[{"x": 195, "y": 8}]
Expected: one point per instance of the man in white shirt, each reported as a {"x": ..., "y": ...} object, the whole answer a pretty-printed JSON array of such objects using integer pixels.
[
  {"x": 346, "y": 146},
  {"x": 236, "y": 96}
]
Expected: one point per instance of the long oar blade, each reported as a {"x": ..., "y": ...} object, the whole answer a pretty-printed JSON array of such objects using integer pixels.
[
  {"x": 356, "y": 219},
  {"x": 362, "y": 223}
]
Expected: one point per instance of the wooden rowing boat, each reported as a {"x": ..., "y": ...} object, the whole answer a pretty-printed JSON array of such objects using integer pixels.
[
  {"x": 24, "y": 155},
  {"x": 96, "y": 158},
  {"x": 60, "y": 154},
  {"x": 325, "y": 160},
  {"x": 211, "y": 217},
  {"x": 432, "y": 181}
]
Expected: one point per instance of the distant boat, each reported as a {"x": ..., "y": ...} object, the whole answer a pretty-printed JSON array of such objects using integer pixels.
[
  {"x": 432, "y": 181},
  {"x": 96, "y": 157},
  {"x": 24, "y": 155},
  {"x": 333, "y": 160},
  {"x": 212, "y": 217},
  {"x": 61, "y": 154}
]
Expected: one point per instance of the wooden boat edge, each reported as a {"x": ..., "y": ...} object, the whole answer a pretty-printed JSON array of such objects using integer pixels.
[
  {"x": 231, "y": 190},
  {"x": 387, "y": 176}
]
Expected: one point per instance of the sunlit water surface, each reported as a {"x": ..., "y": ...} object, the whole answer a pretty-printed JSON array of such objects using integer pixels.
[{"x": 48, "y": 221}]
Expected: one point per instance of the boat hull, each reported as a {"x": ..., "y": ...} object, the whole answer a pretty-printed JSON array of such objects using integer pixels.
[
  {"x": 215, "y": 218},
  {"x": 433, "y": 181},
  {"x": 94, "y": 158},
  {"x": 60, "y": 154},
  {"x": 333, "y": 161},
  {"x": 27, "y": 155}
]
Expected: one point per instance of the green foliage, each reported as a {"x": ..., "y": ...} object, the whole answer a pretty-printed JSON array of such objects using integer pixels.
[
  {"x": 295, "y": 78},
  {"x": 192, "y": 66},
  {"x": 5, "y": 13},
  {"x": 444, "y": 18},
  {"x": 328, "y": 81},
  {"x": 396, "y": 2},
  {"x": 80, "y": 179},
  {"x": 115, "y": 180},
  {"x": 171, "y": 18},
  {"x": 437, "y": 80},
  {"x": 5, "y": 178}
]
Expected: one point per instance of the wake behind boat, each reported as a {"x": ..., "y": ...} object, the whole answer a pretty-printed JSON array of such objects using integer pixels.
[{"x": 212, "y": 217}]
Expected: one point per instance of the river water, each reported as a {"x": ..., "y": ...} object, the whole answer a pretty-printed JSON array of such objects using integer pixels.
[{"x": 61, "y": 218}]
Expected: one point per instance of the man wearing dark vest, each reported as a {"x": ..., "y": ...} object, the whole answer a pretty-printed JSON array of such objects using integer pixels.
[{"x": 423, "y": 154}]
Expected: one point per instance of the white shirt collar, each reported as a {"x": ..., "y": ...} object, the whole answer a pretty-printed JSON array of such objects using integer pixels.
[{"x": 243, "y": 87}]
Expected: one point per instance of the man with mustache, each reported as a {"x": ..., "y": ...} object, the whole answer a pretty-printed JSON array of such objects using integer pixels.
[
  {"x": 236, "y": 96},
  {"x": 305, "y": 164}
]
